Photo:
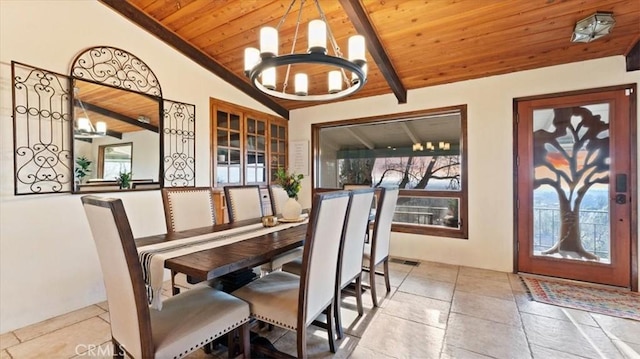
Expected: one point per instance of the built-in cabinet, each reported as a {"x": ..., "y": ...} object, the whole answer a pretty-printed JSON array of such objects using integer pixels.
[{"x": 247, "y": 147}]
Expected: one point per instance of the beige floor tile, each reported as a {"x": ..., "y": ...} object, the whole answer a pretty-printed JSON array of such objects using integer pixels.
[
  {"x": 484, "y": 274},
  {"x": 483, "y": 286},
  {"x": 65, "y": 342},
  {"x": 442, "y": 273},
  {"x": 581, "y": 340},
  {"x": 105, "y": 317},
  {"x": 8, "y": 340},
  {"x": 451, "y": 352},
  {"x": 624, "y": 329},
  {"x": 486, "y": 337},
  {"x": 428, "y": 288},
  {"x": 517, "y": 286},
  {"x": 353, "y": 324},
  {"x": 317, "y": 344},
  {"x": 420, "y": 309},
  {"x": 4, "y": 355},
  {"x": 104, "y": 305},
  {"x": 526, "y": 305},
  {"x": 58, "y": 322},
  {"x": 490, "y": 308},
  {"x": 546, "y": 353},
  {"x": 365, "y": 353},
  {"x": 395, "y": 266},
  {"x": 401, "y": 338}
]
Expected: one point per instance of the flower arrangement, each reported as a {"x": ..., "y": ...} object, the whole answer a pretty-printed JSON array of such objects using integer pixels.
[{"x": 291, "y": 183}]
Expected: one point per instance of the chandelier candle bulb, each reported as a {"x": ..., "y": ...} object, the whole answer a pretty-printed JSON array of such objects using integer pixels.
[
  {"x": 84, "y": 124},
  {"x": 335, "y": 81},
  {"x": 357, "y": 49},
  {"x": 317, "y": 36},
  {"x": 251, "y": 58},
  {"x": 301, "y": 84},
  {"x": 269, "y": 78},
  {"x": 268, "y": 42},
  {"x": 101, "y": 127}
]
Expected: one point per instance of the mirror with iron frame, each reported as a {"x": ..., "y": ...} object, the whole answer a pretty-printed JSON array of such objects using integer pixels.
[{"x": 105, "y": 116}]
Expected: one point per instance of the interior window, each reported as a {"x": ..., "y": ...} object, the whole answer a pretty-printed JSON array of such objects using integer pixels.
[{"x": 421, "y": 153}]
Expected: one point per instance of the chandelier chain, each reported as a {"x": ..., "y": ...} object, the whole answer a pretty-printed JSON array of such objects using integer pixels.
[
  {"x": 284, "y": 17},
  {"x": 293, "y": 45}
]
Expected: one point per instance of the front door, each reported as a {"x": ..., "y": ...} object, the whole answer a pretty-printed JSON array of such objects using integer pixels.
[{"x": 576, "y": 185}]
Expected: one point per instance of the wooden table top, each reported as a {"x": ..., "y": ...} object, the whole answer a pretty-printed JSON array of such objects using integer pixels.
[{"x": 215, "y": 262}]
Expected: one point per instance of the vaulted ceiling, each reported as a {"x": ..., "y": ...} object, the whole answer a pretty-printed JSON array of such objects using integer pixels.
[{"x": 410, "y": 43}]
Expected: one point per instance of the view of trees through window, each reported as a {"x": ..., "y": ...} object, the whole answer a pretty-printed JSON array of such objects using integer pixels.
[{"x": 420, "y": 154}]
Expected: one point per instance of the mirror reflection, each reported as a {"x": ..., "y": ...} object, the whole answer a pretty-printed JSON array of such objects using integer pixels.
[{"x": 116, "y": 139}]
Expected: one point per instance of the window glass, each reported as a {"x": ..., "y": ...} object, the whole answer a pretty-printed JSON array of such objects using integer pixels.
[{"x": 422, "y": 154}]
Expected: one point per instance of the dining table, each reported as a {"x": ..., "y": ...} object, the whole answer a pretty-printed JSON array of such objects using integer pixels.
[{"x": 216, "y": 262}]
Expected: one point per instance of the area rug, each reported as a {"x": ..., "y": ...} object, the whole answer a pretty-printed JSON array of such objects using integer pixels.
[{"x": 614, "y": 302}]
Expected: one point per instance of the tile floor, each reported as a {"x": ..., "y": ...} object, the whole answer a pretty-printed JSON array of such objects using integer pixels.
[{"x": 433, "y": 311}]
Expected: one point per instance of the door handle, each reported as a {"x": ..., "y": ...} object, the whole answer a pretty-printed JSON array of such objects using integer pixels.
[{"x": 621, "y": 198}]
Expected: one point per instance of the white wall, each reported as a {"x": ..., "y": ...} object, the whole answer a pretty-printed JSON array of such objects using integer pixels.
[
  {"x": 48, "y": 262},
  {"x": 490, "y": 142}
]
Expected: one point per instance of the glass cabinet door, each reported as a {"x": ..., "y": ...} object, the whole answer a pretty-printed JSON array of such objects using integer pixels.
[
  {"x": 278, "y": 146},
  {"x": 228, "y": 148},
  {"x": 256, "y": 149}
]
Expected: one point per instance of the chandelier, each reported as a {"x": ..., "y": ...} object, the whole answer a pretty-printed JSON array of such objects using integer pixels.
[
  {"x": 83, "y": 128},
  {"x": 260, "y": 65}
]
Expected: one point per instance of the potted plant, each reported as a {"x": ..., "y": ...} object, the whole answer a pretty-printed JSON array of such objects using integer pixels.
[
  {"x": 291, "y": 183},
  {"x": 82, "y": 168},
  {"x": 124, "y": 180}
]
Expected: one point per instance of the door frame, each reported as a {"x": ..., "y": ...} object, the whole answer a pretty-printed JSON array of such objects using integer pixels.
[{"x": 633, "y": 173}]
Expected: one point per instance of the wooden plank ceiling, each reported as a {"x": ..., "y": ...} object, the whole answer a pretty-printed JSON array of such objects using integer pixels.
[{"x": 426, "y": 43}]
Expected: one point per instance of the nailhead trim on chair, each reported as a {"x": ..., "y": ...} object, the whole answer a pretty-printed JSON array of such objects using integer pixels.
[
  {"x": 171, "y": 207},
  {"x": 269, "y": 320},
  {"x": 211, "y": 338}
]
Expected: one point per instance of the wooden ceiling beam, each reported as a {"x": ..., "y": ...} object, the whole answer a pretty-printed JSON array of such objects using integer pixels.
[
  {"x": 148, "y": 23},
  {"x": 633, "y": 58},
  {"x": 115, "y": 115},
  {"x": 358, "y": 16}
]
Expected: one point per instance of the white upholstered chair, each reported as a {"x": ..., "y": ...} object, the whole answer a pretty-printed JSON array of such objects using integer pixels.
[
  {"x": 188, "y": 208},
  {"x": 350, "y": 255},
  {"x": 278, "y": 197},
  {"x": 243, "y": 202},
  {"x": 377, "y": 250},
  {"x": 186, "y": 322},
  {"x": 293, "y": 302}
]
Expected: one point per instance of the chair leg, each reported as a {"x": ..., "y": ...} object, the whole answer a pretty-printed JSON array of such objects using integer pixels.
[
  {"x": 330, "y": 326},
  {"x": 302, "y": 343},
  {"x": 174, "y": 290},
  {"x": 117, "y": 349},
  {"x": 336, "y": 310},
  {"x": 358, "y": 295},
  {"x": 372, "y": 285},
  {"x": 231, "y": 343},
  {"x": 386, "y": 275},
  {"x": 245, "y": 339}
]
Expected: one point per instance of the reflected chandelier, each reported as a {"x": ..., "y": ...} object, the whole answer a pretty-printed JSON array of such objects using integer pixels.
[
  {"x": 260, "y": 65},
  {"x": 83, "y": 127}
]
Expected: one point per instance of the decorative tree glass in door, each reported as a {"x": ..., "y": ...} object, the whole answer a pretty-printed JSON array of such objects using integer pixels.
[{"x": 571, "y": 183}]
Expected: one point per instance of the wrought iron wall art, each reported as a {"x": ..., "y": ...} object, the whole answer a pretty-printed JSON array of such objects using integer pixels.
[
  {"x": 179, "y": 144},
  {"x": 43, "y": 120},
  {"x": 41, "y": 131},
  {"x": 114, "y": 67}
]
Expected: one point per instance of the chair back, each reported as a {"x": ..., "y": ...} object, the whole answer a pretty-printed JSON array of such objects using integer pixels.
[
  {"x": 320, "y": 254},
  {"x": 355, "y": 230},
  {"x": 278, "y": 198},
  {"x": 243, "y": 202},
  {"x": 382, "y": 226},
  {"x": 122, "y": 273},
  {"x": 188, "y": 208}
]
